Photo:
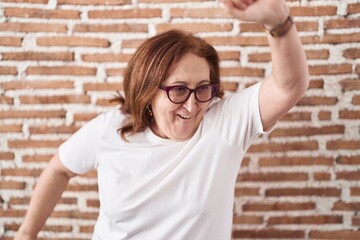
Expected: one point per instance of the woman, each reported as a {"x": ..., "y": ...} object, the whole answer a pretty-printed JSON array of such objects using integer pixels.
[{"x": 167, "y": 162}]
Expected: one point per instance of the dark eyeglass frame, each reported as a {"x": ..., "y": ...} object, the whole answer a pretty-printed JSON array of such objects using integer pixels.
[{"x": 215, "y": 90}]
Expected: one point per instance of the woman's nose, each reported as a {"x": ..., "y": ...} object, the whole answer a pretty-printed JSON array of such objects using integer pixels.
[{"x": 191, "y": 103}]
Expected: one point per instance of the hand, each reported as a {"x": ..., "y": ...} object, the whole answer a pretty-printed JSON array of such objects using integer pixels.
[{"x": 270, "y": 13}]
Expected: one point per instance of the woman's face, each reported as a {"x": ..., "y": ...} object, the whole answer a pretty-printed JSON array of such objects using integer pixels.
[{"x": 180, "y": 121}]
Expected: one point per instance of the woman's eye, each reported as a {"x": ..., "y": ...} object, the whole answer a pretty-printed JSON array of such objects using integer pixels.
[
  {"x": 203, "y": 88},
  {"x": 179, "y": 90}
]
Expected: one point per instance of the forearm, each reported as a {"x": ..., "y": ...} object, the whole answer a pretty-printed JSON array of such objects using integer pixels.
[
  {"x": 289, "y": 65},
  {"x": 47, "y": 192}
]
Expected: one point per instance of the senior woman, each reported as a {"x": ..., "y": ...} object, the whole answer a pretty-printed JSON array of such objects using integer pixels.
[{"x": 167, "y": 161}]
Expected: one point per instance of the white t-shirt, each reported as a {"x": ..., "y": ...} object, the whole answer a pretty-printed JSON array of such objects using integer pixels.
[{"x": 155, "y": 188}]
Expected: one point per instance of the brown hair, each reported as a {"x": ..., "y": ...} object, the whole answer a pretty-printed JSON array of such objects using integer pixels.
[{"x": 150, "y": 66}]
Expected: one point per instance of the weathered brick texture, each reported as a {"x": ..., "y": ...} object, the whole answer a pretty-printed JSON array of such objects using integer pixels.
[{"x": 62, "y": 60}]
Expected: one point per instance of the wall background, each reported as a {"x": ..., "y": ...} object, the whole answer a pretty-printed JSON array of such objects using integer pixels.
[{"x": 61, "y": 60}]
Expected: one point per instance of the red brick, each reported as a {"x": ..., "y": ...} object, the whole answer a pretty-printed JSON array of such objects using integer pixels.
[
  {"x": 280, "y": 147},
  {"x": 11, "y": 128},
  {"x": 75, "y": 215},
  {"x": 316, "y": 83},
  {"x": 355, "y": 220},
  {"x": 322, "y": 176},
  {"x": 6, "y": 100},
  {"x": 10, "y": 41},
  {"x": 84, "y": 116},
  {"x": 115, "y": 28},
  {"x": 37, "y": 158},
  {"x": 348, "y": 175},
  {"x": 103, "y": 86},
  {"x": 247, "y": 220},
  {"x": 230, "y": 86},
  {"x": 242, "y": 71},
  {"x": 8, "y": 70},
  {"x": 314, "y": 11},
  {"x": 32, "y": 114},
  {"x": 356, "y": 100},
  {"x": 41, "y": 13},
  {"x": 321, "y": 192},
  {"x": 23, "y": 172},
  {"x": 169, "y": 1},
  {"x": 310, "y": 54},
  {"x": 331, "y": 38},
  {"x": 27, "y": 1},
  {"x": 195, "y": 27},
  {"x": 336, "y": 234},
  {"x": 237, "y": 41},
  {"x": 94, "y": 203},
  {"x": 61, "y": 70},
  {"x": 314, "y": 101},
  {"x": 353, "y": 8},
  {"x": 340, "y": 38},
  {"x": 272, "y": 177},
  {"x": 73, "y": 42},
  {"x": 269, "y": 233},
  {"x": 349, "y": 114},
  {"x": 32, "y": 27},
  {"x": 133, "y": 43},
  {"x": 353, "y": 160},
  {"x": 106, "y": 57},
  {"x": 115, "y": 71},
  {"x": 294, "y": 161},
  {"x": 314, "y": 220},
  {"x": 38, "y": 56},
  {"x": 324, "y": 115},
  {"x": 12, "y": 185},
  {"x": 82, "y": 187},
  {"x": 279, "y": 206},
  {"x": 53, "y": 84},
  {"x": 346, "y": 206},
  {"x": 126, "y": 13},
  {"x": 53, "y": 129},
  {"x": 307, "y": 131},
  {"x": 34, "y": 143},
  {"x": 350, "y": 84},
  {"x": 330, "y": 69},
  {"x": 229, "y": 55},
  {"x": 197, "y": 13},
  {"x": 342, "y": 23},
  {"x": 355, "y": 191},
  {"x": 12, "y": 213},
  {"x": 93, "y": 2},
  {"x": 55, "y": 99},
  {"x": 7, "y": 155},
  {"x": 296, "y": 116},
  {"x": 240, "y": 192},
  {"x": 105, "y": 102},
  {"x": 86, "y": 229},
  {"x": 343, "y": 144}
]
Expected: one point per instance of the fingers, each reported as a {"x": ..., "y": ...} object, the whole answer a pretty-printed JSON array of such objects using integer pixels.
[
  {"x": 238, "y": 4},
  {"x": 234, "y": 8}
]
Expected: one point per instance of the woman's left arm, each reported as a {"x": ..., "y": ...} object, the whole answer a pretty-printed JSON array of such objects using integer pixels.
[{"x": 289, "y": 78}]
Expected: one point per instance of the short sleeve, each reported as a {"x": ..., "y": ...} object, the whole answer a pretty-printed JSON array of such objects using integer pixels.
[
  {"x": 237, "y": 117},
  {"x": 79, "y": 153}
]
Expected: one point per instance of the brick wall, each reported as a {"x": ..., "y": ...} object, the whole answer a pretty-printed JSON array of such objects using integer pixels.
[{"x": 61, "y": 60}]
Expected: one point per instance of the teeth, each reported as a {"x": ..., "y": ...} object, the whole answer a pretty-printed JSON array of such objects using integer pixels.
[{"x": 183, "y": 116}]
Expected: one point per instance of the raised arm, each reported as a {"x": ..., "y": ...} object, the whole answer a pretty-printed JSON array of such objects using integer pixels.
[
  {"x": 289, "y": 78},
  {"x": 51, "y": 184}
]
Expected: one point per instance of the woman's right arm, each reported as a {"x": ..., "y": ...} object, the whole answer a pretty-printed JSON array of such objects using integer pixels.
[{"x": 49, "y": 188}]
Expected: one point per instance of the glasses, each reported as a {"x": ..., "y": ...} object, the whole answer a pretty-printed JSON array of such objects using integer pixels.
[{"x": 180, "y": 94}]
